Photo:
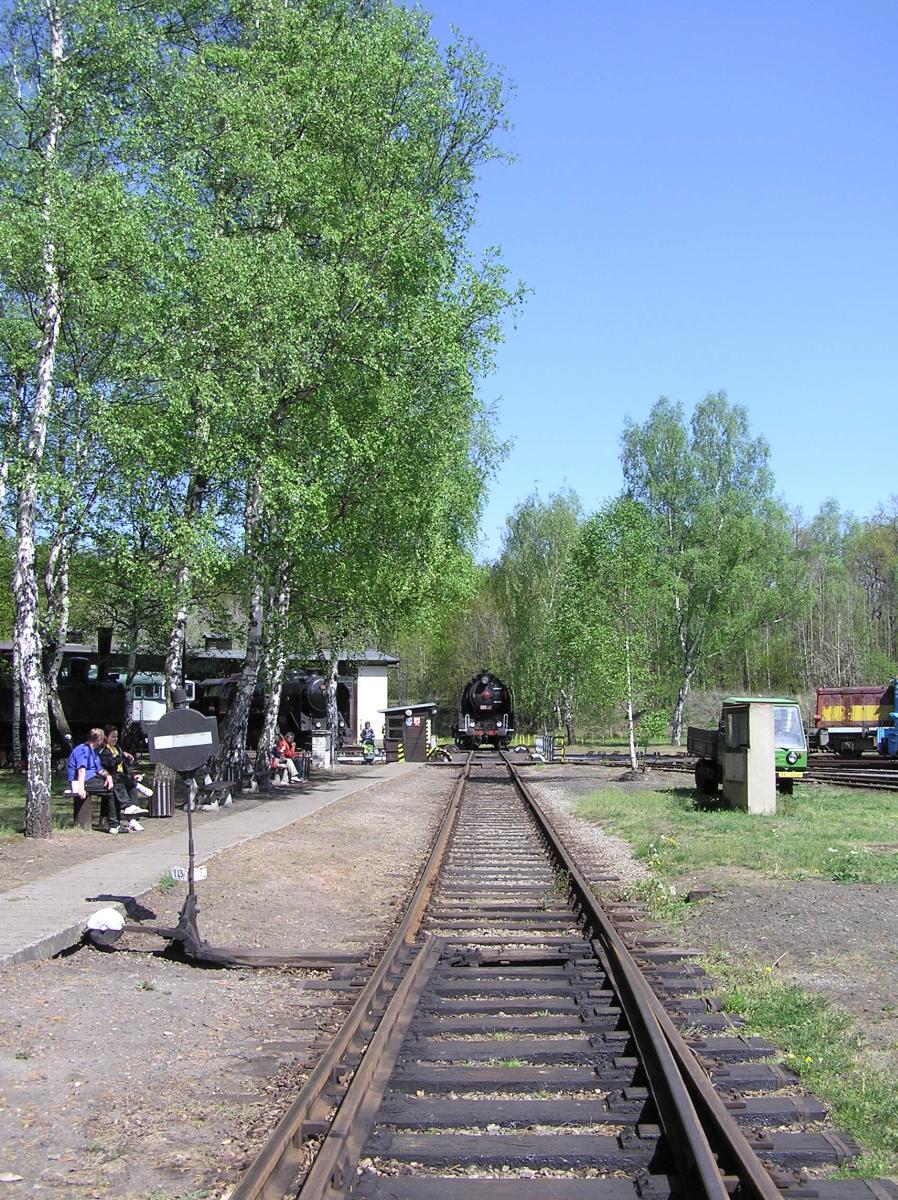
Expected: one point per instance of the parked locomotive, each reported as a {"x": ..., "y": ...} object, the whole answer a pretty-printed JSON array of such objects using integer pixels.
[
  {"x": 847, "y": 718},
  {"x": 303, "y": 710},
  {"x": 486, "y": 714},
  {"x": 86, "y": 701}
]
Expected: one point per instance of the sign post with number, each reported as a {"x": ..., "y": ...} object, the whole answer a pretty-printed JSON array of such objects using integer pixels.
[{"x": 183, "y": 739}]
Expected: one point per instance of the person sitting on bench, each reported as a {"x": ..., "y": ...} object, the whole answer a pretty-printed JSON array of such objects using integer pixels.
[
  {"x": 282, "y": 760},
  {"x": 115, "y": 763},
  {"x": 87, "y": 778}
]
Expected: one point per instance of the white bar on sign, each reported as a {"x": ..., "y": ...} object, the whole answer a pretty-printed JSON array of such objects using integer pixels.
[{"x": 168, "y": 741}]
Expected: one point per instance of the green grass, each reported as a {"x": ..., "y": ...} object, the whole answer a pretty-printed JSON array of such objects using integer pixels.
[
  {"x": 816, "y": 833},
  {"x": 821, "y": 1043},
  {"x": 12, "y": 804}
]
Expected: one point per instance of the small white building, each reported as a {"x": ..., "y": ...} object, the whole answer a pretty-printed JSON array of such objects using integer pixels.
[{"x": 369, "y": 695}]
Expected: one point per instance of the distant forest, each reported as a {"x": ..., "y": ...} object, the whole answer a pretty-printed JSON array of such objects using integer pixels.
[{"x": 729, "y": 591}]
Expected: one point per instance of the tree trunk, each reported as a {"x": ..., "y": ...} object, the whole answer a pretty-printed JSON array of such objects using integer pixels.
[
  {"x": 131, "y": 671},
  {"x": 38, "y": 817},
  {"x": 174, "y": 659},
  {"x": 275, "y": 663},
  {"x": 333, "y": 713},
  {"x": 676, "y": 725},
  {"x": 56, "y": 591},
  {"x": 566, "y": 707},
  {"x": 16, "y": 711},
  {"x": 177, "y": 636},
  {"x": 38, "y": 822},
  {"x": 631, "y": 725},
  {"x": 233, "y": 737}
]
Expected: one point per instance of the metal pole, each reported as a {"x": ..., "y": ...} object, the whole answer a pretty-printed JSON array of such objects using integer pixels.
[{"x": 191, "y": 795}]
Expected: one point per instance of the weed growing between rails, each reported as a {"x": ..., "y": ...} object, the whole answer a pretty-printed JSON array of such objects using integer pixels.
[
  {"x": 822, "y": 1044},
  {"x": 847, "y": 836},
  {"x": 663, "y": 900}
]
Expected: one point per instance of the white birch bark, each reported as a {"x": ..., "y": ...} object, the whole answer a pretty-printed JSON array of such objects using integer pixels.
[
  {"x": 676, "y": 729},
  {"x": 566, "y": 709},
  {"x": 333, "y": 714},
  {"x": 56, "y": 589},
  {"x": 630, "y": 722},
  {"x": 174, "y": 658},
  {"x": 16, "y": 711},
  {"x": 38, "y": 821},
  {"x": 127, "y": 739},
  {"x": 275, "y": 662},
  {"x": 233, "y": 737}
]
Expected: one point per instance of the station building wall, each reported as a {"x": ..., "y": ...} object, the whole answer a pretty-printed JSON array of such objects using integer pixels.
[{"x": 371, "y": 697}]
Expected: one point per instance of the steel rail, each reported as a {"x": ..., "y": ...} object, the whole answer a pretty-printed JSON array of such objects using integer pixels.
[
  {"x": 332, "y": 1171},
  {"x": 871, "y": 776},
  {"x": 679, "y": 1086},
  {"x": 280, "y": 1159}
]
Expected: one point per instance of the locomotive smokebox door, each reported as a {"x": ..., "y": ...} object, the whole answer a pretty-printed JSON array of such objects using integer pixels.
[{"x": 183, "y": 739}]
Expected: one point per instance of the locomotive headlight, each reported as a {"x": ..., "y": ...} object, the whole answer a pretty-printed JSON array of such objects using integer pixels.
[
  {"x": 792, "y": 757},
  {"x": 317, "y": 724}
]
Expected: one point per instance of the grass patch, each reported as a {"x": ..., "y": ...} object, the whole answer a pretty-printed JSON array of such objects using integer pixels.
[
  {"x": 166, "y": 882},
  {"x": 662, "y": 900},
  {"x": 816, "y": 833},
  {"x": 822, "y": 1044},
  {"x": 12, "y": 803}
]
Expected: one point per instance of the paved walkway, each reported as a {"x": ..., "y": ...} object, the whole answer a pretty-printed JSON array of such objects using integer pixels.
[{"x": 48, "y": 915}]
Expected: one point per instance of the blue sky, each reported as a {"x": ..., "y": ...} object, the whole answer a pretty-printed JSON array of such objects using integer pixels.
[{"x": 704, "y": 198}]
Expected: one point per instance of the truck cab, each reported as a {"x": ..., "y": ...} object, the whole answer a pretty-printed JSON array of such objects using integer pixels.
[{"x": 791, "y": 747}]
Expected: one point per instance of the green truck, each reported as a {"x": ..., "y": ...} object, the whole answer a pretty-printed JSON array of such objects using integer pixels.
[{"x": 791, "y": 744}]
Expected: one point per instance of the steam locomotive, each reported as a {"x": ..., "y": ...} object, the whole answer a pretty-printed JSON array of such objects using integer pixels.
[
  {"x": 486, "y": 713},
  {"x": 86, "y": 701},
  {"x": 303, "y": 710},
  {"x": 89, "y": 701}
]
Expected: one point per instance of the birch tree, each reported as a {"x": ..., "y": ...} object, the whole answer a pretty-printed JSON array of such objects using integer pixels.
[
  {"x": 724, "y": 537},
  {"x": 612, "y": 585},
  {"x": 329, "y": 157},
  {"x": 536, "y": 548}
]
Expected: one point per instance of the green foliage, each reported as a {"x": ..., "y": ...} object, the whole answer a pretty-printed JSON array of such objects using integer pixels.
[
  {"x": 661, "y": 899},
  {"x": 652, "y": 728},
  {"x": 724, "y": 539},
  {"x": 261, "y": 215},
  {"x": 526, "y": 584},
  {"x": 610, "y": 594}
]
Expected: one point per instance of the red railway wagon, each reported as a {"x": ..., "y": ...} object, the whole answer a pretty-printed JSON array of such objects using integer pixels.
[{"x": 847, "y": 718}]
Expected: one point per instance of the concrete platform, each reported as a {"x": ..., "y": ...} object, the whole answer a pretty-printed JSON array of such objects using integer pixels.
[{"x": 48, "y": 915}]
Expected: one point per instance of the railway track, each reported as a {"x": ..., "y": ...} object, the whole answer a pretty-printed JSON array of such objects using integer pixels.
[
  {"x": 518, "y": 1040},
  {"x": 874, "y": 774}
]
